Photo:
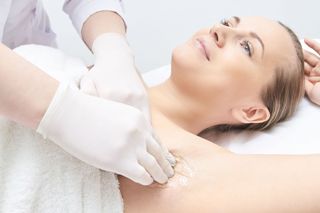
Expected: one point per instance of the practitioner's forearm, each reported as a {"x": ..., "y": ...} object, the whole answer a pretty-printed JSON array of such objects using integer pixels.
[
  {"x": 267, "y": 183},
  {"x": 99, "y": 23},
  {"x": 25, "y": 90}
]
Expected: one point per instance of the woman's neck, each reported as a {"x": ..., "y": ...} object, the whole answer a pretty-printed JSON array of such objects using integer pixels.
[{"x": 166, "y": 100}]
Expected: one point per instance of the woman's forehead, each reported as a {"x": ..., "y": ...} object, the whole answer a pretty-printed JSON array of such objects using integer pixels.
[{"x": 276, "y": 39}]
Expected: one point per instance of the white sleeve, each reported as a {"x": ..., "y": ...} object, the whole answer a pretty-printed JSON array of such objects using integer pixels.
[{"x": 80, "y": 10}]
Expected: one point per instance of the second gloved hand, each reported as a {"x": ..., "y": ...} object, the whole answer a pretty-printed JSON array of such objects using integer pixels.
[{"x": 114, "y": 75}]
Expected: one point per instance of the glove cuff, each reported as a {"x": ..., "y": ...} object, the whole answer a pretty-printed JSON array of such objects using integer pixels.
[
  {"x": 53, "y": 110},
  {"x": 111, "y": 43}
]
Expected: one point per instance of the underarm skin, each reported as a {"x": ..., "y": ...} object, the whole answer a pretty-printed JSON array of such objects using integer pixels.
[{"x": 218, "y": 181}]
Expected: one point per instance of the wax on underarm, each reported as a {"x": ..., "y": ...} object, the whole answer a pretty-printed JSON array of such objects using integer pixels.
[{"x": 183, "y": 172}]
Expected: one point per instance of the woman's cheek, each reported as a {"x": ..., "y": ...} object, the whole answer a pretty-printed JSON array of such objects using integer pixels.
[{"x": 185, "y": 58}]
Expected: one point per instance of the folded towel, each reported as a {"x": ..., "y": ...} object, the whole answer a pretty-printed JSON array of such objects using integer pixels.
[{"x": 38, "y": 176}]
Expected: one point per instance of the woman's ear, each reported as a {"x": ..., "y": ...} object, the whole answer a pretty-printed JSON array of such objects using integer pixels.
[{"x": 252, "y": 114}]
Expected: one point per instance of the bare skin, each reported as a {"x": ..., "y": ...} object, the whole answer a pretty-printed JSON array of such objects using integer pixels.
[
  {"x": 208, "y": 178},
  {"x": 206, "y": 90},
  {"x": 312, "y": 71}
]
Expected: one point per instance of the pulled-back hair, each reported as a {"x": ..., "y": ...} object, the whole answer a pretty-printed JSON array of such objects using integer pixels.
[{"x": 281, "y": 96}]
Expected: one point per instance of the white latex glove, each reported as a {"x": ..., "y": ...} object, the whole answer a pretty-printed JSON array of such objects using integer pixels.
[
  {"x": 114, "y": 75},
  {"x": 108, "y": 135}
]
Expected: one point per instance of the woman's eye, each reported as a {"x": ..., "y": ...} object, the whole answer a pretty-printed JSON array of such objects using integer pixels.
[
  {"x": 225, "y": 22},
  {"x": 246, "y": 45}
]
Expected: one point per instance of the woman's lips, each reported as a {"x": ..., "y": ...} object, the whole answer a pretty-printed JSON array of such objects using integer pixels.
[{"x": 201, "y": 45}]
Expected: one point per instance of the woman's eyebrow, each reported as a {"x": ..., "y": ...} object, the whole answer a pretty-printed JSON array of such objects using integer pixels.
[
  {"x": 255, "y": 35},
  {"x": 237, "y": 19},
  {"x": 252, "y": 34}
]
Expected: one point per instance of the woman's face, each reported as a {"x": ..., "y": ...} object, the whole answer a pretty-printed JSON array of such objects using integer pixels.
[{"x": 232, "y": 61}]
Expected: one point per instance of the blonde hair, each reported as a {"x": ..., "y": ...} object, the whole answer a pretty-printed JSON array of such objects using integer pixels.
[{"x": 281, "y": 96}]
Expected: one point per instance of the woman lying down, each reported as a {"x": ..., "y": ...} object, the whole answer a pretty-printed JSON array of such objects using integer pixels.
[{"x": 241, "y": 73}]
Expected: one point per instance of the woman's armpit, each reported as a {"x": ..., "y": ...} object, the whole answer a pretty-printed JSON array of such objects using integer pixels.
[{"x": 184, "y": 171}]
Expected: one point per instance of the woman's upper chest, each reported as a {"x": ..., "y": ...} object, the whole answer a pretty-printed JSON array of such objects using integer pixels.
[{"x": 178, "y": 140}]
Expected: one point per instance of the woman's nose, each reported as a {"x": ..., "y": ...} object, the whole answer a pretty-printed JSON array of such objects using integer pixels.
[{"x": 219, "y": 33}]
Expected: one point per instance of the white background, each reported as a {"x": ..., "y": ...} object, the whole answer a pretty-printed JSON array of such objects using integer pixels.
[{"x": 157, "y": 26}]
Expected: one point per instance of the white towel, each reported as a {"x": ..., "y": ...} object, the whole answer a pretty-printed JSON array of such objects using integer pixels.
[{"x": 38, "y": 176}]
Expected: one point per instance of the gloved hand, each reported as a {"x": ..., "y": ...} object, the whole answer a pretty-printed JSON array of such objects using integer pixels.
[
  {"x": 114, "y": 75},
  {"x": 108, "y": 135}
]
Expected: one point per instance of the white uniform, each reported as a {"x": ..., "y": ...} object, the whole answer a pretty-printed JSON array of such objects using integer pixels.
[{"x": 26, "y": 21}]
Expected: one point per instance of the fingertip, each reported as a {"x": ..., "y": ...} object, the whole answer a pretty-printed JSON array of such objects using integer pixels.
[
  {"x": 164, "y": 180},
  {"x": 142, "y": 177},
  {"x": 154, "y": 167},
  {"x": 308, "y": 86},
  {"x": 308, "y": 40},
  {"x": 169, "y": 164},
  {"x": 170, "y": 172},
  {"x": 162, "y": 155},
  {"x": 172, "y": 160},
  {"x": 167, "y": 169},
  {"x": 147, "y": 182}
]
